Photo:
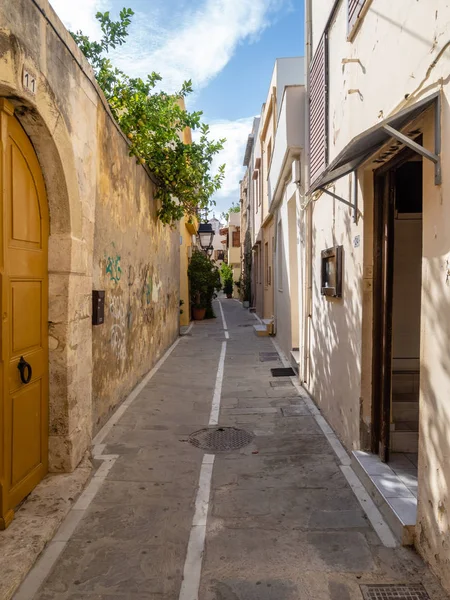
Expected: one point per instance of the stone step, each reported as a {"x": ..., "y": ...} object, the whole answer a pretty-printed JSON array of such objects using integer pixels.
[
  {"x": 405, "y": 397},
  {"x": 405, "y": 411},
  {"x": 404, "y": 440},
  {"x": 391, "y": 496},
  {"x": 269, "y": 324},
  {"x": 295, "y": 357},
  {"x": 260, "y": 330}
]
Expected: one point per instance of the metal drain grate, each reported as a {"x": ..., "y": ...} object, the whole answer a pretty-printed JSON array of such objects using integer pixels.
[
  {"x": 394, "y": 592},
  {"x": 220, "y": 439},
  {"x": 283, "y": 372}
]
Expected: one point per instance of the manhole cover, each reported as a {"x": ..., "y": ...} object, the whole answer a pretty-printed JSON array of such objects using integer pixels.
[
  {"x": 283, "y": 372},
  {"x": 397, "y": 592},
  {"x": 220, "y": 439}
]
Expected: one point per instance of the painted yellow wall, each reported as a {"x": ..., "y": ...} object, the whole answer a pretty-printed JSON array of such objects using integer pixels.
[
  {"x": 187, "y": 230},
  {"x": 104, "y": 232}
]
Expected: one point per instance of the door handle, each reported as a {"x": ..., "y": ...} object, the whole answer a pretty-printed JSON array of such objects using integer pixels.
[{"x": 25, "y": 370}]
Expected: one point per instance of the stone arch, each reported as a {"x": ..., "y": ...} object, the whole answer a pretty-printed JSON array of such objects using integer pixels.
[{"x": 68, "y": 267}]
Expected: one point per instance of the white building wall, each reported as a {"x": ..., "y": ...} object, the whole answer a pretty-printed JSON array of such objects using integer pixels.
[{"x": 399, "y": 54}]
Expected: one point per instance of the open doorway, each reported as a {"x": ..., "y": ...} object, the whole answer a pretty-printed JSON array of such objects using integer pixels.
[{"x": 397, "y": 308}]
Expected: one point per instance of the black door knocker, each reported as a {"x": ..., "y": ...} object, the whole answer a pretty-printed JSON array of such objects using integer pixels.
[{"x": 25, "y": 370}]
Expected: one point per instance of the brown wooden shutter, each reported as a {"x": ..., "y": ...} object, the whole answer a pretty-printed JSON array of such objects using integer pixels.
[
  {"x": 318, "y": 107},
  {"x": 353, "y": 11},
  {"x": 236, "y": 239}
]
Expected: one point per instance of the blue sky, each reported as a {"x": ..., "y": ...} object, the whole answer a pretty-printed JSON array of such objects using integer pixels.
[{"x": 227, "y": 48}]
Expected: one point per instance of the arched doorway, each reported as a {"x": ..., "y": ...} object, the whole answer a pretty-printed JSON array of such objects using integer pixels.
[{"x": 24, "y": 309}]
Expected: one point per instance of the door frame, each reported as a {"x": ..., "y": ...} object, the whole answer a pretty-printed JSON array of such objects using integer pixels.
[{"x": 383, "y": 280}]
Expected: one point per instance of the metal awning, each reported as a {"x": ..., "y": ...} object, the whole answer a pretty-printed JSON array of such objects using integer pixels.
[{"x": 370, "y": 141}]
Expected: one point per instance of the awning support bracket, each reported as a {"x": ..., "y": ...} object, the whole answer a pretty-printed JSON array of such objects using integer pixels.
[
  {"x": 433, "y": 157},
  {"x": 353, "y": 204}
]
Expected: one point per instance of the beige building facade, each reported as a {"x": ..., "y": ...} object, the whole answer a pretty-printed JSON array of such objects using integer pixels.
[
  {"x": 377, "y": 250},
  {"x": 103, "y": 236}
]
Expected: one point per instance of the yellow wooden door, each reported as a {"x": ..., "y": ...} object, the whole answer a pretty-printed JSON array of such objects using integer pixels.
[{"x": 24, "y": 301}]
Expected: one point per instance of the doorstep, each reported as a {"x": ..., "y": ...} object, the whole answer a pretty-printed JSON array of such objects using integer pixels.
[
  {"x": 35, "y": 523},
  {"x": 394, "y": 495},
  {"x": 295, "y": 359}
]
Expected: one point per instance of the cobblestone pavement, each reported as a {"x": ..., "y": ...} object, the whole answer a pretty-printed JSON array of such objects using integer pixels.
[{"x": 274, "y": 520}]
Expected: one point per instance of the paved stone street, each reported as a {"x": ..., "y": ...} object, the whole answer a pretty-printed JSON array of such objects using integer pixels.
[{"x": 283, "y": 523}]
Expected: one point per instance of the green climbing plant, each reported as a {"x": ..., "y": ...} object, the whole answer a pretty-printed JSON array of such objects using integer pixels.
[
  {"x": 154, "y": 122},
  {"x": 234, "y": 208}
]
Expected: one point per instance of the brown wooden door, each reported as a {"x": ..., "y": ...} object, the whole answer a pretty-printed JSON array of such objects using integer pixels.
[
  {"x": 383, "y": 296},
  {"x": 24, "y": 309}
]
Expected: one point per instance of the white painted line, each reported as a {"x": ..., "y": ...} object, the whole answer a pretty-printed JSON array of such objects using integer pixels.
[
  {"x": 256, "y": 317},
  {"x": 38, "y": 574},
  {"x": 194, "y": 557},
  {"x": 368, "y": 505},
  {"x": 215, "y": 408},
  {"x": 223, "y": 319},
  {"x": 98, "y": 439},
  {"x": 189, "y": 328},
  {"x": 41, "y": 570},
  {"x": 281, "y": 354},
  {"x": 373, "y": 514},
  {"x": 328, "y": 432}
]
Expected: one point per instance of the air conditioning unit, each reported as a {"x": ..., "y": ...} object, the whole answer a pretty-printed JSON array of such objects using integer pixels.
[{"x": 296, "y": 172}]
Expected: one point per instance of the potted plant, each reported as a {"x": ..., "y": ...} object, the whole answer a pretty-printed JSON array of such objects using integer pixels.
[
  {"x": 226, "y": 273},
  {"x": 204, "y": 280},
  {"x": 246, "y": 289},
  {"x": 228, "y": 288}
]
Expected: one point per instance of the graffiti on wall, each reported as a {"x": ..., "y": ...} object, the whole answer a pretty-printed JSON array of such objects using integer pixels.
[
  {"x": 118, "y": 342},
  {"x": 113, "y": 268},
  {"x": 118, "y": 312}
]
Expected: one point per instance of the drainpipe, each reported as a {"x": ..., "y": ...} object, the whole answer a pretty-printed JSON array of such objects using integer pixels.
[{"x": 307, "y": 304}]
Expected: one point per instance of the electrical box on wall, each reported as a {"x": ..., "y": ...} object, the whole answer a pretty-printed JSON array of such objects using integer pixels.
[{"x": 98, "y": 307}]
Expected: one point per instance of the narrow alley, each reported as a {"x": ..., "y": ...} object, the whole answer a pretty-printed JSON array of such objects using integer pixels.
[{"x": 273, "y": 520}]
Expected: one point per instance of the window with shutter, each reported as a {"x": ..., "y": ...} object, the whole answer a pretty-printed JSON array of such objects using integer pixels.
[
  {"x": 354, "y": 8},
  {"x": 318, "y": 107},
  {"x": 236, "y": 239}
]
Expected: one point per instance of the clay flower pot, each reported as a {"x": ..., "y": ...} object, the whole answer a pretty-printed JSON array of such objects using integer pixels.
[{"x": 198, "y": 313}]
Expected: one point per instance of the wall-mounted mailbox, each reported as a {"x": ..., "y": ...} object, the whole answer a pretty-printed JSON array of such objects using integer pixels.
[{"x": 98, "y": 307}]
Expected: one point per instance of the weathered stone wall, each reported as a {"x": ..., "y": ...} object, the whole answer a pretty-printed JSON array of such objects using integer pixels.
[
  {"x": 101, "y": 208},
  {"x": 136, "y": 261}
]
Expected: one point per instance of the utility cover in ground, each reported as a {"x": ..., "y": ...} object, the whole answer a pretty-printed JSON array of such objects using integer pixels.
[
  {"x": 220, "y": 439},
  {"x": 397, "y": 592},
  {"x": 283, "y": 372}
]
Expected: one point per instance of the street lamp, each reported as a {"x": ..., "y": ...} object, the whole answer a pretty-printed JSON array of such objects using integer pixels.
[{"x": 205, "y": 236}]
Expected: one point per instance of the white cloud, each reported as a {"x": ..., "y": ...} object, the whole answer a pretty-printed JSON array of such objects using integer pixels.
[
  {"x": 195, "y": 42},
  {"x": 236, "y": 134},
  {"x": 80, "y": 15},
  {"x": 200, "y": 45}
]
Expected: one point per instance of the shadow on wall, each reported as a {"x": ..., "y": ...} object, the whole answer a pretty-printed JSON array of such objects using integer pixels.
[
  {"x": 335, "y": 366},
  {"x": 433, "y": 531}
]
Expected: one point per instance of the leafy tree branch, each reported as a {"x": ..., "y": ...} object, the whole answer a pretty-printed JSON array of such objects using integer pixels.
[{"x": 154, "y": 123}]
